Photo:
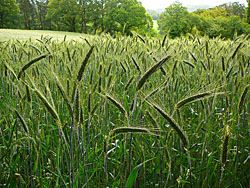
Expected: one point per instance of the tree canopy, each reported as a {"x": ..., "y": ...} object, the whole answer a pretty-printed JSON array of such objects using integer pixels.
[
  {"x": 88, "y": 16},
  {"x": 224, "y": 20},
  {"x": 124, "y": 17},
  {"x": 248, "y": 12},
  {"x": 174, "y": 20},
  {"x": 9, "y": 10}
]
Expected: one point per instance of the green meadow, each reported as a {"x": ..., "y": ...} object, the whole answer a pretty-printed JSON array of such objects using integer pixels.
[{"x": 7, "y": 34}]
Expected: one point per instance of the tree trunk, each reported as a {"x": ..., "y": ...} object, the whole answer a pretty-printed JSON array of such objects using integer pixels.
[
  {"x": 102, "y": 17},
  {"x": 40, "y": 17},
  {"x": 1, "y": 20},
  {"x": 84, "y": 21},
  {"x": 26, "y": 20},
  {"x": 73, "y": 27}
]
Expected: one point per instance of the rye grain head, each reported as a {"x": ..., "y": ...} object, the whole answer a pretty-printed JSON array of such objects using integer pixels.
[
  {"x": 150, "y": 71},
  {"x": 242, "y": 99},
  {"x": 26, "y": 66},
  {"x": 197, "y": 97},
  {"x": 225, "y": 146},
  {"x": 172, "y": 123},
  {"x": 63, "y": 93},
  {"x": 44, "y": 100},
  {"x": 84, "y": 64},
  {"x": 116, "y": 103},
  {"x": 128, "y": 130}
]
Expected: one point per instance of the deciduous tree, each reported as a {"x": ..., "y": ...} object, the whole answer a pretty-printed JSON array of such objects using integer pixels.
[
  {"x": 9, "y": 13},
  {"x": 174, "y": 20},
  {"x": 248, "y": 12},
  {"x": 125, "y": 15}
]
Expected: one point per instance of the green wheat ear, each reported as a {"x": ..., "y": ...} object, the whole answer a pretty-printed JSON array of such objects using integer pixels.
[
  {"x": 172, "y": 123},
  {"x": 150, "y": 71},
  {"x": 25, "y": 67},
  {"x": 242, "y": 98},
  {"x": 225, "y": 146}
]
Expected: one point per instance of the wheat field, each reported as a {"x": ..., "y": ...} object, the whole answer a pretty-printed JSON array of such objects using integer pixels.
[{"x": 98, "y": 111}]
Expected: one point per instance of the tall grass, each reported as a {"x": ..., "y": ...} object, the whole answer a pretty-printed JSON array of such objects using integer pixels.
[{"x": 129, "y": 111}]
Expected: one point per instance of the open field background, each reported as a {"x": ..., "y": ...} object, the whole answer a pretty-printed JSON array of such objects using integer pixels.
[
  {"x": 6, "y": 34},
  {"x": 130, "y": 111},
  {"x": 155, "y": 25}
]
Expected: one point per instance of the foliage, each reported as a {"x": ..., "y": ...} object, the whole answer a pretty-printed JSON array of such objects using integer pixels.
[
  {"x": 211, "y": 22},
  {"x": 226, "y": 27},
  {"x": 9, "y": 11},
  {"x": 248, "y": 12},
  {"x": 174, "y": 20},
  {"x": 226, "y": 9},
  {"x": 124, "y": 16},
  {"x": 88, "y": 16},
  {"x": 65, "y": 12},
  {"x": 234, "y": 9},
  {"x": 214, "y": 13}
]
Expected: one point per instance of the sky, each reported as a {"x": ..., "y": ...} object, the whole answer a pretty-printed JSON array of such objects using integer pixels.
[{"x": 162, "y": 4}]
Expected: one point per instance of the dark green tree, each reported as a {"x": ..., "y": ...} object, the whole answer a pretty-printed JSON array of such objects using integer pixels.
[
  {"x": 124, "y": 16},
  {"x": 41, "y": 9},
  {"x": 234, "y": 9},
  {"x": 54, "y": 15},
  {"x": 84, "y": 14},
  {"x": 28, "y": 12},
  {"x": 174, "y": 20},
  {"x": 98, "y": 12},
  {"x": 64, "y": 14},
  {"x": 248, "y": 12},
  {"x": 9, "y": 13},
  {"x": 70, "y": 12}
]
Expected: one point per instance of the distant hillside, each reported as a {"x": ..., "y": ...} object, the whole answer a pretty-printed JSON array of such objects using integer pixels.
[
  {"x": 192, "y": 8},
  {"x": 155, "y": 13}
]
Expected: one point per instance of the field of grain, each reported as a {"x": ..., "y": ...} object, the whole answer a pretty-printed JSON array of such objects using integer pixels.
[
  {"x": 125, "y": 112},
  {"x": 6, "y": 34}
]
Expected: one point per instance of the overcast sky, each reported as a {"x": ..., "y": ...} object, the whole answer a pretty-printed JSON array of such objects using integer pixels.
[{"x": 159, "y": 4}]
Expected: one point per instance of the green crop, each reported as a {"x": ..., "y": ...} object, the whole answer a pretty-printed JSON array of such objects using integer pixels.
[{"x": 123, "y": 112}]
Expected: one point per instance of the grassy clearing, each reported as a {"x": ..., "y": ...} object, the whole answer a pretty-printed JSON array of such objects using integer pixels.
[
  {"x": 130, "y": 111},
  {"x": 6, "y": 34},
  {"x": 155, "y": 26}
]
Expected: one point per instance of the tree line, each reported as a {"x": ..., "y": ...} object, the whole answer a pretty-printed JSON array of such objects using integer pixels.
[
  {"x": 123, "y": 17},
  {"x": 224, "y": 20},
  {"x": 85, "y": 16}
]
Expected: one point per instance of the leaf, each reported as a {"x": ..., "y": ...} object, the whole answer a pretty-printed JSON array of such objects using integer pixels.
[{"x": 134, "y": 173}]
